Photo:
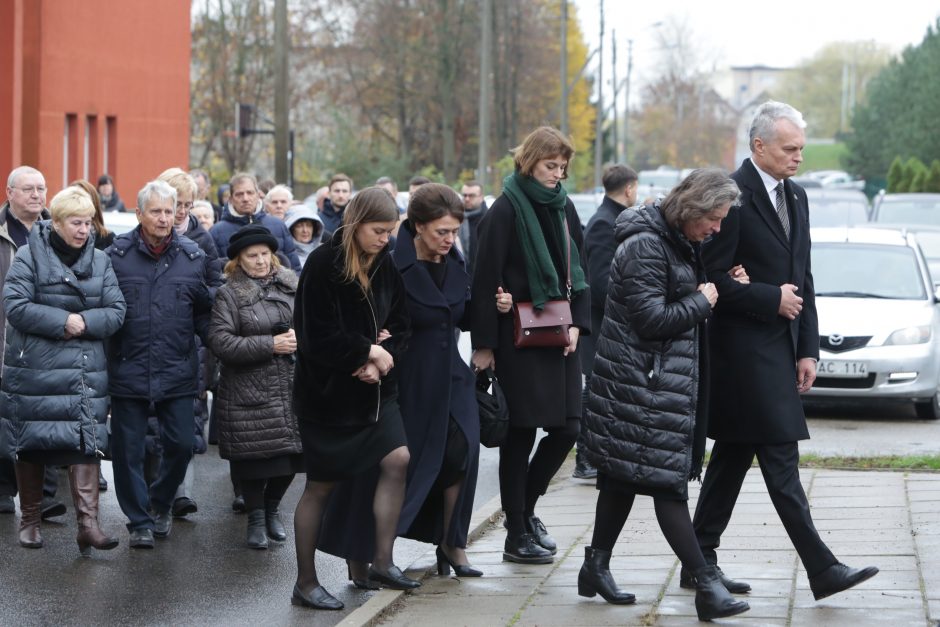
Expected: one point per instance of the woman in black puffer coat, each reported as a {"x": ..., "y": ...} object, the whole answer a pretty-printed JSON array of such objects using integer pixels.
[
  {"x": 251, "y": 336},
  {"x": 62, "y": 302},
  {"x": 645, "y": 421}
]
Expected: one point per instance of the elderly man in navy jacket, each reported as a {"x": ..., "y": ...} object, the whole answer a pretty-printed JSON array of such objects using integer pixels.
[{"x": 153, "y": 360}]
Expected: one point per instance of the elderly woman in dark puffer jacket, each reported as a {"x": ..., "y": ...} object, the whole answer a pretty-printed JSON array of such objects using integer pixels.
[
  {"x": 62, "y": 302},
  {"x": 251, "y": 336},
  {"x": 645, "y": 418}
]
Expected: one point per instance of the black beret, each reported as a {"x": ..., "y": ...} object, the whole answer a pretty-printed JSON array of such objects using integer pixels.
[{"x": 249, "y": 236}]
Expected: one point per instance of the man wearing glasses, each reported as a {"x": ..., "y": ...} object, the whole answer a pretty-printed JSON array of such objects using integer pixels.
[
  {"x": 26, "y": 203},
  {"x": 474, "y": 207}
]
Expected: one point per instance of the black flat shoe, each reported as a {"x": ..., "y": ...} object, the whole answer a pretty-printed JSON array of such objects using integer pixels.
[
  {"x": 535, "y": 526},
  {"x": 525, "y": 550},
  {"x": 687, "y": 581},
  {"x": 837, "y": 578},
  {"x": 461, "y": 570},
  {"x": 318, "y": 599},
  {"x": 394, "y": 579},
  {"x": 362, "y": 584}
]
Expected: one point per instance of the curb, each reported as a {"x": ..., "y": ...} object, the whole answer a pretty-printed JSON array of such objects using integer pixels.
[{"x": 369, "y": 613}]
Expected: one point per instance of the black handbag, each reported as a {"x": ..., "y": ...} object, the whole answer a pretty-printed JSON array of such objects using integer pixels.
[{"x": 494, "y": 412}]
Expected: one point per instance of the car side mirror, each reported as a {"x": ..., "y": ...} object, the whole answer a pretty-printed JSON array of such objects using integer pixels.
[{"x": 936, "y": 292}]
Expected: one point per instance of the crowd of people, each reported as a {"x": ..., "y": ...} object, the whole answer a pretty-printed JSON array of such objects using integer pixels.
[{"x": 328, "y": 337}]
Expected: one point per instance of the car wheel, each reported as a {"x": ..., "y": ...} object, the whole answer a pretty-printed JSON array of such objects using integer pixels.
[{"x": 929, "y": 410}]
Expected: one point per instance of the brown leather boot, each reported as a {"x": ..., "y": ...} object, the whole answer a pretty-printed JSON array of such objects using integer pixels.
[
  {"x": 29, "y": 479},
  {"x": 83, "y": 478}
]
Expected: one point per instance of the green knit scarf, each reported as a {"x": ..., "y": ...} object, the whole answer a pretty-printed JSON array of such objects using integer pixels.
[{"x": 522, "y": 192}]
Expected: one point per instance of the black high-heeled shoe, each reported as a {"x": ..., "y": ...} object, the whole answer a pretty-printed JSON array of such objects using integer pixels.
[
  {"x": 318, "y": 599},
  {"x": 461, "y": 570},
  {"x": 362, "y": 584},
  {"x": 393, "y": 578}
]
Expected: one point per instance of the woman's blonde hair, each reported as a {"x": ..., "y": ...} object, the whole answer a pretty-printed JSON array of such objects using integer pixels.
[
  {"x": 71, "y": 201},
  {"x": 97, "y": 220},
  {"x": 180, "y": 180},
  {"x": 373, "y": 204},
  {"x": 544, "y": 142},
  {"x": 232, "y": 266}
]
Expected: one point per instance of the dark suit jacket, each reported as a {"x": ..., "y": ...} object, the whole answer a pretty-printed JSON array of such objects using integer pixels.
[
  {"x": 600, "y": 244},
  {"x": 753, "y": 349}
]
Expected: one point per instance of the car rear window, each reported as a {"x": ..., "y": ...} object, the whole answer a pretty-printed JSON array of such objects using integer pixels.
[{"x": 866, "y": 271}]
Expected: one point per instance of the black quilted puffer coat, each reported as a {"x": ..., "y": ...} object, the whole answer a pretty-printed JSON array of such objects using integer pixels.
[
  {"x": 253, "y": 402},
  {"x": 640, "y": 420}
]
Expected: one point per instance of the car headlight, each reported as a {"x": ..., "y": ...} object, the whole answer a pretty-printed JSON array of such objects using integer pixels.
[{"x": 909, "y": 335}]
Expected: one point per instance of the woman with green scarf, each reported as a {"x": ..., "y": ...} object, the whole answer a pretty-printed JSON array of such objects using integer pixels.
[{"x": 530, "y": 245}]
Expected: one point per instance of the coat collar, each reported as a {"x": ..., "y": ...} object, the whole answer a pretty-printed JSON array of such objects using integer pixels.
[
  {"x": 752, "y": 181},
  {"x": 418, "y": 282}
]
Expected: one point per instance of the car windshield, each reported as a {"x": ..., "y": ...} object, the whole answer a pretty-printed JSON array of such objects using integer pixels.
[
  {"x": 913, "y": 211},
  {"x": 866, "y": 271},
  {"x": 837, "y": 212},
  {"x": 930, "y": 243}
]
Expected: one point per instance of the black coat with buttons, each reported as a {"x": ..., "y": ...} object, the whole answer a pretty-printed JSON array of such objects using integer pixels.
[
  {"x": 153, "y": 357},
  {"x": 640, "y": 421}
]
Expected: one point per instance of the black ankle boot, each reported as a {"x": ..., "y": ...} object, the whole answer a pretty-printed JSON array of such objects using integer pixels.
[
  {"x": 257, "y": 534},
  {"x": 272, "y": 518},
  {"x": 712, "y": 599},
  {"x": 595, "y": 578}
]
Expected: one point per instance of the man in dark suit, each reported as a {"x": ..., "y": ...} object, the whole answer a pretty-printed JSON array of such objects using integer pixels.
[
  {"x": 764, "y": 347},
  {"x": 600, "y": 244}
]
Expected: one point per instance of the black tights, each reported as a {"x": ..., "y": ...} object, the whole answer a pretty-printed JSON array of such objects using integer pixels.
[
  {"x": 522, "y": 482},
  {"x": 386, "y": 506},
  {"x": 258, "y": 492},
  {"x": 613, "y": 508}
]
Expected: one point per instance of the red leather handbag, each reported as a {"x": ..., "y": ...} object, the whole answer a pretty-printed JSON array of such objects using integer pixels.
[{"x": 547, "y": 328}]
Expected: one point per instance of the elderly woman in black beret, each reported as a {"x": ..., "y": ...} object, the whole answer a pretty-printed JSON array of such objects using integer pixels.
[{"x": 252, "y": 337}]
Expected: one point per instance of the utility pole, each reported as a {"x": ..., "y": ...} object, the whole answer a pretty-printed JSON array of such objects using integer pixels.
[
  {"x": 599, "y": 121},
  {"x": 616, "y": 89},
  {"x": 626, "y": 104},
  {"x": 564, "y": 67},
  {"x": 485, "y": 64},
  {"x": 282, "y": 146}
]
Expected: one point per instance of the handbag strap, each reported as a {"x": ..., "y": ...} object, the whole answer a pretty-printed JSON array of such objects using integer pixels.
[{"x": 568, "y": 246}]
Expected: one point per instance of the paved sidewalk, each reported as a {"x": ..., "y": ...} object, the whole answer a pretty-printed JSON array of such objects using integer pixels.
[{"x": 887, "y": 519}]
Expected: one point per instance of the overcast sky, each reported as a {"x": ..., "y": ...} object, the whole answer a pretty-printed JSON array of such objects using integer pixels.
[{"x": 737, "y": 32}]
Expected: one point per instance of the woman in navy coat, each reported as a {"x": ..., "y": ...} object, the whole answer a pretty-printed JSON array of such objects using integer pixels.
[{"x": 436, "y": 388}]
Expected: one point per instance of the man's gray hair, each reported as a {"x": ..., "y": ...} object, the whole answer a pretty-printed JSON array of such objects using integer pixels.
[
  {"x": 764, "y": 123},
  {"x": 279, "y": 188},
  {"x": 20, "y": 171},
  {"x": 158, "y": 190},
  {"x": 700, "y": 193}
]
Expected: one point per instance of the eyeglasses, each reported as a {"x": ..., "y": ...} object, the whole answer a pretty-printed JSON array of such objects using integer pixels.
[
  {"x": 184, "y": 205},
  {"x": 32, "y": 189}
]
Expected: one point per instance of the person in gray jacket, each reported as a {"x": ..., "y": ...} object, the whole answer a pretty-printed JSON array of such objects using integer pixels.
[
  {"x": 251, "y": 336},
  {"x": 646, "y": 413},
  {"x": 62, "y": 302}
]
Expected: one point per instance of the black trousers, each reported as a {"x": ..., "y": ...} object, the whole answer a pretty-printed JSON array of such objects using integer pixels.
[{"x": 779, "y": 464}]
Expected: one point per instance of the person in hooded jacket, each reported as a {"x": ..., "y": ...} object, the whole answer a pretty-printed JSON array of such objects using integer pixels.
[
  {"x": 352, "y": 327},
  {"x": 646, "y": 412},
  {"x": 62, "y": 302},
  {"x": 251, "y": 335},
  {"x": 306, "y": 228}
]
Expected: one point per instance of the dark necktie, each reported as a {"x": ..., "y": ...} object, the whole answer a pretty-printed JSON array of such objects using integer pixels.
[{"x": 782, "y": 210}]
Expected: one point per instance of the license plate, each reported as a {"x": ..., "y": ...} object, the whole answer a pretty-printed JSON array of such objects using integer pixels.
[{"x": 842, "y": 369}]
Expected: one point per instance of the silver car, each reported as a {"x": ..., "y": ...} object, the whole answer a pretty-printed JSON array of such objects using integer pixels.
[{"x": 879, "y": 319}]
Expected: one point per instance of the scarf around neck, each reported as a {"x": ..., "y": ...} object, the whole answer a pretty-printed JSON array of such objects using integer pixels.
[{"x": 523, "y": 192}]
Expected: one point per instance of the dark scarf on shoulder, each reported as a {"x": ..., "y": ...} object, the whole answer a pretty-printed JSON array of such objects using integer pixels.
[{"x": 523, "y": 192}]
